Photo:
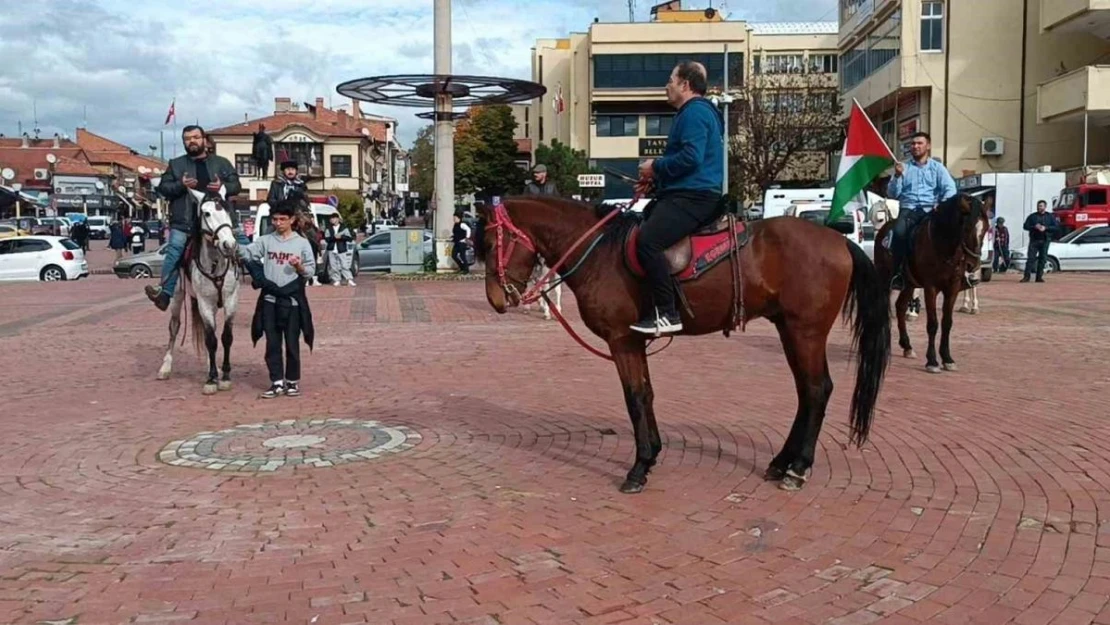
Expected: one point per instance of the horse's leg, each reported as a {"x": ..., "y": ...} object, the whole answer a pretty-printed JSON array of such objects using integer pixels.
[
  {"x": 227, "y": 338},
  {"x": 931, "y": 324},
  {"x": 901, "y": 306},
  {"x": 630, "y": 356},
  {"x": 208, "y": 316},
  {"x": 975, "y": 300},
  {"x": 175, "y": 326},
  {"x": 965, "y": 301},
  {"x": 946, "y": 329},
  {"x": 791, "y": 448}
]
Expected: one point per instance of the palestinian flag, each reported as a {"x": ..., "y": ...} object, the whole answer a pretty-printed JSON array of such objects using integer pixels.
[{"x": 864, "y": 158}]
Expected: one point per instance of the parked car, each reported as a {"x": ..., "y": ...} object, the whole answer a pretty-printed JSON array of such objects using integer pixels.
[
  {"x": 7, "y": 231},
  {"x": 99, "y": 227},
  {"x": 375, "y": 253},
  {"x": 1085, "y": 249},
  {"x": 46, "y": 258},
  {"x": 145, "y": 265}
]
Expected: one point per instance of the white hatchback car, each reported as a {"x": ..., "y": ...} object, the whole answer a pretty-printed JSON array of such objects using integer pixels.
[{"x": 45, "y": 258}]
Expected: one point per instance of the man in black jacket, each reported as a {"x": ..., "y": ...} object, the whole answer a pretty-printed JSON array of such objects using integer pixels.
[
  {"x": 287, "y": 186},
  {"x": 1041, "y": 226},
  {"x": 196, "y": 169},
  {"x": 540, "y": 184}
]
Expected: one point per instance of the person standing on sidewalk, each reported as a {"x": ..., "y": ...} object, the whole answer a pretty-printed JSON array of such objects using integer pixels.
[
  {"x": 460, "y": 234},
  {"x": 1001, "y": 246},
  {"x": 1041, "y": 226},
  {"x": 282, "y": 312},
  {"x": 338, "y": 238}
]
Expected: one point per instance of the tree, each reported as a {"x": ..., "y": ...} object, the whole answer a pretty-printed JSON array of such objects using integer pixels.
[
  {"x": 486, "y": 152},
  {"x": 423, "y": 157},
  {"x": 352, "y": 209},
  {"x": 564, "y": 166},
  {"x": 779, "y": 124}
]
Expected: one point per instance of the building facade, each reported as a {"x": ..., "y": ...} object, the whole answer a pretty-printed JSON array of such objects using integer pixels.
[
  {"x": 605, "y": 87},
  {"x": 1000, "y": 85}
]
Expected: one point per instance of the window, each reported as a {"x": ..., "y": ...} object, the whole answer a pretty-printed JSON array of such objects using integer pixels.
[
  {"x": 783, "y": 64},
  {"x": 659, "y": 125},
  {"x": 340, "y": 165},
  {"x": 1094, "y": 197},
  {"x": 6, "y": 246},
  {"x": 652, "y": 71},
  {"x": 23, "y": 246},
  {"x": 244, "y": 165},
  {"x": 618, "y": 125},
  {"x": 69, "y": 244},
  {"x": 378, "y": 240},
  {"x": 309, "y": 156},
  {"x": 872, "y": 53},
  {"x": 932, "y": 26},
  {"x": 1097, "y": 236},
  {"x": 822, "y": 64}
]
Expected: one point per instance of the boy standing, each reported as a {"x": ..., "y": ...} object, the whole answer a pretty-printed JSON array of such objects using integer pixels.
[
  {"x": 282, "y": 312},
  {"x": 338, "y": 238}
]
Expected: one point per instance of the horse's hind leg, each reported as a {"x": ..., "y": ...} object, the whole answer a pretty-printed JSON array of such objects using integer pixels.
[
  {"x": 931, "y": 323},
  {"x": 630, "y": 357},
  {"x": 946, "y": 331},
  {"x": 901, "y": 305},
  {"x": 175, "y": 326},
  {"x": 227, "y": 338}
]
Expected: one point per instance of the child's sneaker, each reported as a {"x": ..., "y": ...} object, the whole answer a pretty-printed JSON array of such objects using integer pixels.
[
  {"x": 292, "y": 389},
  {"x": 276, "y": 389}
]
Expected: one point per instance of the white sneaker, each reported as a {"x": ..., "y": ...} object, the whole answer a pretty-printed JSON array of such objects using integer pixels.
[{"x": 351, "y": 283}]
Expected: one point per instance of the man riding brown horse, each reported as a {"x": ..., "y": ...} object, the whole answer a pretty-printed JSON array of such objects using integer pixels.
[{"x": 687, "y": 180}]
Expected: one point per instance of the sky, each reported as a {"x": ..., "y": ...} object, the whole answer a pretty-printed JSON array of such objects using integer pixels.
[{"x": 114, "y": 66}]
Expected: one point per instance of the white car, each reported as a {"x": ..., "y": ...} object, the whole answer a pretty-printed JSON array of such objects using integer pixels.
[
  {"x": 1086, "y": 249},
  {"x": 45, "y": 258}
]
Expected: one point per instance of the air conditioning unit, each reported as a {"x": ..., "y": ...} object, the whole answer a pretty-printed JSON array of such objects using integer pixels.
[
  {"x": 991, "y": 146},
  {"x": 42, "y": 174}
]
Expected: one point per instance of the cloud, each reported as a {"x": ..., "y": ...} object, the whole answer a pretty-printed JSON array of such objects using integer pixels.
[{"x": 122, "y": 62}]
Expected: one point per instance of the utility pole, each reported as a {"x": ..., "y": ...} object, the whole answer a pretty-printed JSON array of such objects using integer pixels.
[{"x": 444, "y": 138}]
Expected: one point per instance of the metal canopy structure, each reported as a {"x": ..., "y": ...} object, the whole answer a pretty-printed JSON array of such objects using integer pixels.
[
  {"x": 441, "y": 91},
  {"x": 452, "y": 116},
  {"x": 421, "y": 90}
]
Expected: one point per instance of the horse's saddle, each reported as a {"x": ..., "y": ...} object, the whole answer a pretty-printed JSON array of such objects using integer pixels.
[
  {"x": 187, "y": 255},
  {"x": 693, "y": 255}
]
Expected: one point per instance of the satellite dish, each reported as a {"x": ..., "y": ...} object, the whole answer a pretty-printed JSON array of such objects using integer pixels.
[
  {"x": 366, "y": 132},
  {"x": 7, "y": 173},
  {"x": 50, "y": 158},
  {"x": 143, "y": 169},
  {"x": 121, "y": 189},
  {"x": 17, "y": 187},
  {"x": 99, "y": 185}
]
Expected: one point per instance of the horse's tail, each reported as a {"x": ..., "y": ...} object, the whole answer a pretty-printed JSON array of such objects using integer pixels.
[
  {"x": 198, "y": 326},
  {"x": 868, "y": 307}
]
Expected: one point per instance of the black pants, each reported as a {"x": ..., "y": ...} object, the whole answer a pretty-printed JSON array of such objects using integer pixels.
[
  {"x": 903, "y": 228},
  {"x": 1037, "y": 254},
  {"x": 458, "y": 254},
  {"x": 674, "y": 216},
  {"x": 281, "y": 321}
]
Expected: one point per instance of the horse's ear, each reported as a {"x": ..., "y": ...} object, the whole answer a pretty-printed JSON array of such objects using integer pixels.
[{"x": 965, "y": 203}]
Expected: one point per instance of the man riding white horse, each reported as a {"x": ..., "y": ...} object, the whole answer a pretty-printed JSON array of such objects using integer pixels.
[
  {"x": 919, "y": 185},
  {"x": 196, "y": 169},
  {"x": 687, "y": 179}
]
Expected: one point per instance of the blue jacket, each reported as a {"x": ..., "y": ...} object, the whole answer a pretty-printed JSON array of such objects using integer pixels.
[
  {"x": 922, "y": 186},
  {"x": 694, "y": 158}
]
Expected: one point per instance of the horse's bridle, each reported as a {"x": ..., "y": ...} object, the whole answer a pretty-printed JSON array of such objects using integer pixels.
[
  {"x": 500, "y": 224},
  {"x": 212, "y": 237}
]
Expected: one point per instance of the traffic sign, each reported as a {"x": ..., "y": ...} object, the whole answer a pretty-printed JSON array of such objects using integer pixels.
[
  {"x": 591, "y": 180},
  {"x": 333, "y": 200}
]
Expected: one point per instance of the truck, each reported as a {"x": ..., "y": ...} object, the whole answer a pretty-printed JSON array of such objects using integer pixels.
[
  {"x": 1085, "y": 200},
  {"x": 1015, "y": 196}
]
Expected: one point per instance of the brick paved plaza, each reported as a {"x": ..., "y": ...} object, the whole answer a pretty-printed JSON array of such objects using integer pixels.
[{"x": 436, "y": 472}]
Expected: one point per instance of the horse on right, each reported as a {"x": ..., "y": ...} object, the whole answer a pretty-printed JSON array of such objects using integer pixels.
[{"x": 944, "y": 258}]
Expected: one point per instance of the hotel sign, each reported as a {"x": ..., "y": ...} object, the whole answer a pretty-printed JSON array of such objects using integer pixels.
[{"x": 653, "y": 147}]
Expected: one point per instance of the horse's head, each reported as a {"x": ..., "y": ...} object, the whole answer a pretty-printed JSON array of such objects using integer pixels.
[
  {"x": 215, "y": 221},
  {"x": 973, "y": 226},
  {"x": 510, "y": 255}
]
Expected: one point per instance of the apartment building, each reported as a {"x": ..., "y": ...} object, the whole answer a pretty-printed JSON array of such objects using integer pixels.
[
  {"x": 605, "y": 87},
  {"x": 1000, "y": 85}
]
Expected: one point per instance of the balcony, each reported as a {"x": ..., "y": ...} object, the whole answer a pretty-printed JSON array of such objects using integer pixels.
[
  {"x": 1088, "y": 16},
  {"x": 1069, "y": 97}
]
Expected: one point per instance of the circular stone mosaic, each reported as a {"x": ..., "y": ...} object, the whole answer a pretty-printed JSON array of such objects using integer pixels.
[{"x": 265, "y": 447}]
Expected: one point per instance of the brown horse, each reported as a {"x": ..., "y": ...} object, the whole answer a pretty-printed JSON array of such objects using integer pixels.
[
  {"x": 799, "y": 275},
  {"x": 944, "y": 259}
]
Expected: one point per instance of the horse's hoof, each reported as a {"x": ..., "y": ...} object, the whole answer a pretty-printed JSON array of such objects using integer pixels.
[
  {"x": 163, "y": 375},
  {"x": 909, "y": 353},
  {"x": 631, "y": 487},
  {"x": 224, "y": 385},
  {"x": 791, "y": 481},
  {"x": 773, "y": 474},
  {"x": 951, "y": 366},
  {"x": 210, "y": 389},
  {"x": 973, "y": 311},
  {"x": 933, "y": 369},
  {"x": 911, "y": 315},
  {"x": 965, "y": 309}
]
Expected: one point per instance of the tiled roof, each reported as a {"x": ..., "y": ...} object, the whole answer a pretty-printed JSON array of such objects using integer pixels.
[
  {"x": 48, "y": 143},
  {"x": 24, "y": 161},
  {"x": 101, "y": 150},
  {"x": 326, "y": 125},
  {"x": 76, "y": 166},
  {"x": 795, "y": 28}
]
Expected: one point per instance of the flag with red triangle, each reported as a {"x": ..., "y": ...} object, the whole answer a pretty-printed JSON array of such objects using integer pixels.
[
  {"x": 866, "y": 155},
  {"x": 172, "y": 114}
]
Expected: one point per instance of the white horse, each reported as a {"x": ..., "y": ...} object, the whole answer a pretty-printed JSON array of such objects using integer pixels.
[
  {"x": 556, "y": 294},
  {"x": 212, "y": 279},
  {"x": 881, "y": 212}
]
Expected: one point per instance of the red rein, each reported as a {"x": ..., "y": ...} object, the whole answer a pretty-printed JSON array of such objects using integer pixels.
[{"x": 502, "y": 222}]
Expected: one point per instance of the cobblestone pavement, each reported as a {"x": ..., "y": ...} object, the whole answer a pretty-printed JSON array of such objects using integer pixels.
[{"x": 446, "y": 465}]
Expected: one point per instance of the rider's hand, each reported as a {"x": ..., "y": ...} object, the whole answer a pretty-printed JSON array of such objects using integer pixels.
[
  {"x": 645, "y": 169},
  {"x": 214, "y": 186},
  {"x": 899, "y": 169},
  {"x": 189, "y": 181}
]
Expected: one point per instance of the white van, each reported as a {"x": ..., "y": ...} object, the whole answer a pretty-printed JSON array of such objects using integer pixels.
[{"x": 262, "y": 225}]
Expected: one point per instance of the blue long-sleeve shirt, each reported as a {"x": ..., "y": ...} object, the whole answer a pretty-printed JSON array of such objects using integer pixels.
[
  {"x": 694, "y": 157},
  {"x": 922, "y": 186}
]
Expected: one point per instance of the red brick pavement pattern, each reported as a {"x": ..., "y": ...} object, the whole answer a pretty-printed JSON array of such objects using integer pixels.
[{"x": 981, "y": 497}]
